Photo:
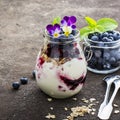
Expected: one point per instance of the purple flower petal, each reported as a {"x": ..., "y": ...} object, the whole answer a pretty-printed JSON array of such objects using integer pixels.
[
  {"x": 73, "y": 19},
  {"x": 63, "y": 23},
  {"x": 73, "y": 26},
  {"x": 68, "y": 23},
  {"x": 51, "y": 32},
  {"x": 66, "y": 18},
  {"x": 56, "y": 26},
  {"x": 49, "y": 27}
]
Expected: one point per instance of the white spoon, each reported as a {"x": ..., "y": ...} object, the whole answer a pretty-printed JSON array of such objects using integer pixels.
[
  {"x": 107, "y": 110},
  {"x": 109, "y": 80}
]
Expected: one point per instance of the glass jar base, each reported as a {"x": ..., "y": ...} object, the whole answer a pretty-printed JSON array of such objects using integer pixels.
[{"x": 103, "y": 71}]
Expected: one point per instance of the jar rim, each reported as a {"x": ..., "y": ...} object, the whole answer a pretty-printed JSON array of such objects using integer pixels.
[
  {"x": 67, "y": 39},
  {"x": 87, "y": 39}
]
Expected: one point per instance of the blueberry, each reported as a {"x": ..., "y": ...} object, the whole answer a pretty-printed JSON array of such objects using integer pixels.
[
  {"x": 33, "y": 74},
  {"x": 65, "y": 54},
  {"x": 105, "y": 39},
  {"x": 15, "y": 85},
  {"x": 116, "y": 35},
  {"x": 100, "y": 44},
  {"x": 112, "y": 60},
  {"x": 106, "y": 66},
  {"x": 92, "y": 63},
  {"x": 100, "y": 64},
  {"x": 97, "y": 53},
  {"x": 105, "y": 34},
  {"x": 97, "y": 34},
  {"x": 111, "y": 35},
  {"x": 24, "y": 80},
  {"x": 61, "y": 38},
  {"x": 106, "y": 56},
  {"x": 95, "y": 38},
  {"x": 71, "y": 36},
  {"x": 77, "y": 51},
  {"x": 110, "y": 32},
  {"x": 74, "y": 32},
  {"x": 118, "y": 57},
  {"x": 90, "y": 35},
  {"x": 111, "y": 39}
]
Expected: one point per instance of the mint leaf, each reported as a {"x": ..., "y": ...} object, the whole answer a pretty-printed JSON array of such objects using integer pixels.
[
  {"x": 107, "y": 23},
  {"x": 99, "y": 28},
  {"x": 84, "y": 32},
  {"x": 91, "y": 22},
  {"x": 56, "y": 20}
]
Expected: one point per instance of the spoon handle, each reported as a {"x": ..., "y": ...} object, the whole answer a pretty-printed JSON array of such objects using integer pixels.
[
  {"x": 105, "y": 101},
  {"x": 114, "y": 94}
]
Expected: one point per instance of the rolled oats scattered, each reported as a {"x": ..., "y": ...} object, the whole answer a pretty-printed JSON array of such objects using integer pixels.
[
  {"x": 51, "y": 108},
  {"x": 50, "y": 116},
  {"x": 93, "y": 109},
  {"x": 116, "y": 111},
  {"x": 92, "y": 113},
  {"x": 97, "y": 102},
  {"x": 115, "y": 105},
  {"x": 49, "y": 99},
  {"x": 74, "y": 99},
  {"x": 92, "y": 99},
  {"x": 85, "y": 100},
  {"x": 66, "y": 108}
]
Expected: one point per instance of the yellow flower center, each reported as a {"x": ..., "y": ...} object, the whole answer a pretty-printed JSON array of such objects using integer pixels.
[
  {"x": 67, "y": 33},
  {"x": 56, "y": 35}
]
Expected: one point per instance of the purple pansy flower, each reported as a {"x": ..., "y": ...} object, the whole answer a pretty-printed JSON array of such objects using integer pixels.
[
  {"x": 68, "y": 24},
  {"x": 69, "y": 21},
  {"x": 54, "y": 30}
]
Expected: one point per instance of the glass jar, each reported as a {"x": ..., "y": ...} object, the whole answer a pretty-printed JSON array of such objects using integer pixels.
[
  {"x": 105, "y": 56},
  {"x": 61, "y": 66}
]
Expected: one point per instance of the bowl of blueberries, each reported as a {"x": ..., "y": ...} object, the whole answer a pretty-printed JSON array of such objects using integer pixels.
[
  {"x": 105, "y": 47},
  {"x": 105, "y": 51}
]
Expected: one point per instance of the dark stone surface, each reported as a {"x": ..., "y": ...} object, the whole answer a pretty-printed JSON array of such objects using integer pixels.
[{"x": 22, "y": 24}]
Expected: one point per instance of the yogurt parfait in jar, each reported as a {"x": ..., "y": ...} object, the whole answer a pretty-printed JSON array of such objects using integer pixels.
[{"x": 61, "y": 65}]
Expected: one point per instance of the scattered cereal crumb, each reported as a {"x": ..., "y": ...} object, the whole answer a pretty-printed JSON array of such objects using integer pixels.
[
  {"x": 92, "y": 113},
  {"x": 78, "y": 111},
  {"x": 74, "y": 99},
  {"x": 51, "y": 108},
  {"x": 66, "y": 108},
  {"x": 90, "y": 105},
  {"x": 82, "y": 110},
  {"x": 49, "y": 99},
  {"x": 97, "y": 102},
  {"x": 85, "y": 100},
  {"x": 92, "y": 99},
  {"x": 116, "y": 111},
  {"x": 50, "y": 116},
  {"x": 115, "y": 105},
  {"x": 93, "y": 109}
]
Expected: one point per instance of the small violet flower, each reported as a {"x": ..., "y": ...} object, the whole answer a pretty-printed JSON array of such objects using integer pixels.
[
  {"x": 54, "y": 30},
  {"x": 68, "y": 24}
]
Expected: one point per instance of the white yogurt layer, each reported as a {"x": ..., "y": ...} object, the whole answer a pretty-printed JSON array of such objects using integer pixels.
[{"x": 48, "y": 79}]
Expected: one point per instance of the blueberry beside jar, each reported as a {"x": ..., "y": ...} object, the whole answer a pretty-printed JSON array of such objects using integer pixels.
[{"x": 105, "y": 48}]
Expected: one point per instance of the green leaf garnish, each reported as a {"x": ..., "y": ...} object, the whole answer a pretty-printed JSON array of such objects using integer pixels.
[
  {"x": 56, "y": 20},
  {"x": 84, "y": 32},
  {"x": 108, "y": 23},
  {"x": 91, "y": 22},
  {"x": 102, "y": 25}
]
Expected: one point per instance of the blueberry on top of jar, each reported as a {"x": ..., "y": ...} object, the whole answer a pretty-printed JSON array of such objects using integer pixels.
[{"x": 108, "y": 36}]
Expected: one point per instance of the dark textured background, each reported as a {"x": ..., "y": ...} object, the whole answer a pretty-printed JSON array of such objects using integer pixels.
[{"x": 21, "y": 28}]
